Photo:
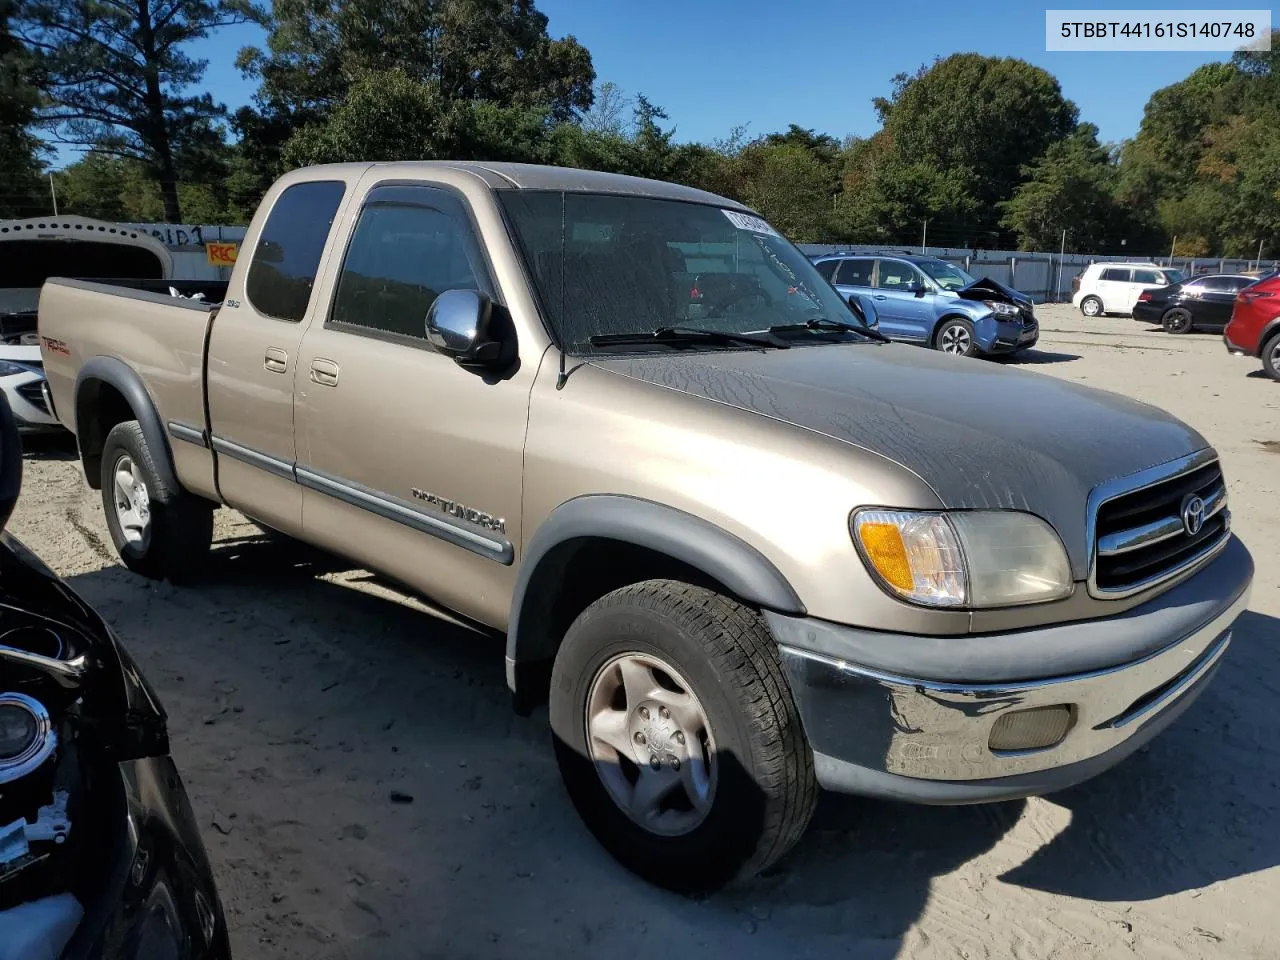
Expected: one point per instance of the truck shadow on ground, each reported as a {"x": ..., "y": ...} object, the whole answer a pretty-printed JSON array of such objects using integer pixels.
[
  {"x": 344, "y": 695},
  {"x": 58, "y": 445}
]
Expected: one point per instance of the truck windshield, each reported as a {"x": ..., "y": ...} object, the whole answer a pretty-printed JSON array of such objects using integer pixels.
[{"x": 608, "y": 264}]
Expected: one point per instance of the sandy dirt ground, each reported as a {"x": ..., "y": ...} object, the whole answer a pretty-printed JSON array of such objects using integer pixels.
[{"x": 304, "y": 695}]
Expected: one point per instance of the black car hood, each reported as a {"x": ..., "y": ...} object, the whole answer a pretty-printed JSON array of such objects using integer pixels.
[
  {"x": 982, "y": 435},
  {"x": 988, "y": 289}
]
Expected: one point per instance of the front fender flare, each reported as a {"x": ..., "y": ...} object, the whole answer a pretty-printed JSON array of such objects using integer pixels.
[
  {"x": 118, "y": 374},
  {"x": 721, "y": 555}
]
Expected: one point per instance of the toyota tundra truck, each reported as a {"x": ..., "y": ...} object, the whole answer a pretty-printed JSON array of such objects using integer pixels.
[{"x": 740, "y": 546}]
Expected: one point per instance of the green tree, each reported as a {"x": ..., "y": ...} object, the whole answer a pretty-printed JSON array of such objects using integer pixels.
[
  {"x": 121, "y": 189},
  {"x": 956, "y": 138},
  {"x": 114, "y": 76},
  {"x": 20, "y": 150},
  {"x": 1072, "y": 188},
  {"x": 790, "y": 186},
  {"x": 389, "y": 115}
]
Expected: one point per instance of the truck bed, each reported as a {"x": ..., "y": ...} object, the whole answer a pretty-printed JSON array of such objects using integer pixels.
[{"x": 159, "y": 336}]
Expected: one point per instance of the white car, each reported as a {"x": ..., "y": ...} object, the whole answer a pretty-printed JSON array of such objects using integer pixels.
[
  {"x": 35, "y": 249},
  {"x": 24, "y": 386},
  {"x": 1111, "y": 287}
]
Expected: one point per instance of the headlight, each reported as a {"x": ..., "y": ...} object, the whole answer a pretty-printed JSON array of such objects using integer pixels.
[
  {"x": 970, "y": 559},
  {"x": 1001, "y": 309},
  {"x": 9, "y": 368},
  {"x": 26, "y": 735}
]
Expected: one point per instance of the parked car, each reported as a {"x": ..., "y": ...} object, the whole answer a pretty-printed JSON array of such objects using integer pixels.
[
  {"x": 1203, "y": 303},
  {"x": 740, "y": 557},
  {"x": 1110, "y": 287},
  {"x": 1254, "y": 329},
  {"x": 100, "y": 856},
  {"x": 34, "y": 249},
  {"x": 934, "y": 303}
]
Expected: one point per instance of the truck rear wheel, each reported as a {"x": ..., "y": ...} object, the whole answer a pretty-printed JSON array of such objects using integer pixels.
[
  {"x": 677, "y": 737},
  {"x": 159, "y": 532}
]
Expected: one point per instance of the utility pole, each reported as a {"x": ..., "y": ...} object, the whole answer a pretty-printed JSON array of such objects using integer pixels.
[
  {"x": 53, "y": 193},
  {"x": 1061, "y": 257},
  {"x": 1259, "y": 260},
  {"x": 1172, "y": 247},
  {"x": 924, "y": 234}
]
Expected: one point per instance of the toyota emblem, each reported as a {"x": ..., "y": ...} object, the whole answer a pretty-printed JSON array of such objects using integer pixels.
[{"x": 1192, "y": 515}]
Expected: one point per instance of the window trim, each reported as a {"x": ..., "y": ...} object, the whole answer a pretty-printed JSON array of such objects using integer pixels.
[
  {"x": 306, "y": 311},
  {"x": 424, "y": 189}
]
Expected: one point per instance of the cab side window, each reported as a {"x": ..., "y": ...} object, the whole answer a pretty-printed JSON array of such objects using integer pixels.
[
  {"x": 403, "y": 255},
  {"x": 287, "y": 256}
]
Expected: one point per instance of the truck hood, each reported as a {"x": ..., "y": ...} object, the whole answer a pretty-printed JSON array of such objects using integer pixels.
[{"x": 981, "y": 435}]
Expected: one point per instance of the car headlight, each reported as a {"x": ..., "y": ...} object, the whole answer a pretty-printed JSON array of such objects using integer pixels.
[
  {"x": 9, "y": 368},
  {"x": 963, "y": 559},
  {"x": 1001, "y": 309}
]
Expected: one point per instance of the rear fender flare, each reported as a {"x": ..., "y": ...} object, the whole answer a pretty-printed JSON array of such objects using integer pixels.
[
  {"x": 118, "y": 374},
  {"x": 698, "y": 543}
]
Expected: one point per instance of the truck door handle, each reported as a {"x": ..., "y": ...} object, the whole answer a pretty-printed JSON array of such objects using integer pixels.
[
  {"x": 276, "y": 361},
  {"x": 324, "y": 372}
]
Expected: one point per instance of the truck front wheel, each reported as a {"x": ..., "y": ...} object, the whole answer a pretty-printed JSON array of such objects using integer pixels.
[
  {"x": 159, "y": 532},
  {"x": 677, "y": 737}
]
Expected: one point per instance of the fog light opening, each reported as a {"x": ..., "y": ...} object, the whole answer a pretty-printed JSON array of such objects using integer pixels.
[{"x": 1038, "y": 728}]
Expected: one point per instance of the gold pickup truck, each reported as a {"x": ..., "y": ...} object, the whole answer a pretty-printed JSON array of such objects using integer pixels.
[{"x": 739, "y": 544}]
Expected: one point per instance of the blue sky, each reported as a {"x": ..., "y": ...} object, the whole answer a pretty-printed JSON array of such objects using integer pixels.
[{"x": 714, "y": 64}]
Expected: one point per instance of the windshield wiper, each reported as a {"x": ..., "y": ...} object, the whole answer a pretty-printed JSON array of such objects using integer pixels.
[
  {"x": 822, "y": 323},
  {"x": 678, "y": 335}
]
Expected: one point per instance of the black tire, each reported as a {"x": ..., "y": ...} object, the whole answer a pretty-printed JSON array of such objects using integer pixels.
[
  {"x": 181, "y": 525},
  {"x": 956, "y": 336},
  {"x": 1091, "y": 307},
  {"x": 1271, "y": 357},
  {"x": 766, "y": 788},
  {"x": 1177, "y": 320}
]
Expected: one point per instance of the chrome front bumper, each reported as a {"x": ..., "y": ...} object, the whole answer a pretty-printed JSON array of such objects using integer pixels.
[{"x": 876, "y": 732}]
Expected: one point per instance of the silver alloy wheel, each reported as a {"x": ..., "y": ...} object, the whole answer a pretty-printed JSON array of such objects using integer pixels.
[
  {"x": 1090, "y": 307},
  {"x": 133, "y": 502},
  {"x": 651, "y": 744},
  {"x": 1275, "y": 355},
  {"x": 955, "y": 339}
]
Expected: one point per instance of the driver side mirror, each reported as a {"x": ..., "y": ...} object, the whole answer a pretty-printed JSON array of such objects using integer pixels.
[
  {"x": 458, "y": 325},
  {"x": 865, "y": 311},
  {"x": 919, "y": 289}
]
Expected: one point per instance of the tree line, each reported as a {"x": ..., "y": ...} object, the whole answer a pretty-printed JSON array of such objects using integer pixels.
[{"x": 972, "y": 151}]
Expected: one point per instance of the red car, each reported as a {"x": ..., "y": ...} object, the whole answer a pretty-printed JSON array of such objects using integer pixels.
[{"x": 1255, "y": 324}]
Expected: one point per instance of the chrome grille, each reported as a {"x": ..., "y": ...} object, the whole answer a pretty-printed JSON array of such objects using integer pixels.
[{"x": 1140, "y": 535}]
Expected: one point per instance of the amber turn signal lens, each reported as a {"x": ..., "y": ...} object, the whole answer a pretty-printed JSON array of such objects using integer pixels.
[{"x": 888, "y": 554}]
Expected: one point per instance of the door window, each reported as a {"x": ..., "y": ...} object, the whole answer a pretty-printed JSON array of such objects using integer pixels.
[
  {"x": 400, "y": 258},
  {"x": 855, "y": 273},
  {"x": 826, "y": 268},
  {"x": 287, "y": 257},
  {"x": 1230, "y": 285},
  {"x": 1117, "y": 273},
  {"x": 896, "y": 275},
  {"x": 1148, "y": 277}
]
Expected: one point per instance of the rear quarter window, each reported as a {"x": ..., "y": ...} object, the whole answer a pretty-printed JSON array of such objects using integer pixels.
[{"x": 287, "y": 256}]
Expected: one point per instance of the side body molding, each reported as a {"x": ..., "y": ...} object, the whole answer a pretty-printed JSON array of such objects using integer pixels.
[
  {"x": 118, "y": 374},
  {"x": 742, "y": 569}
]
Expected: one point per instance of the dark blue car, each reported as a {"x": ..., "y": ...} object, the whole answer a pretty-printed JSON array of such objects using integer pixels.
[{"x": 934, "y": 303}]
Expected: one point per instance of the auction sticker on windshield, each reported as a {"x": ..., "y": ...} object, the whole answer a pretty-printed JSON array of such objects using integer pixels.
[{"x": 744, "y": 221}]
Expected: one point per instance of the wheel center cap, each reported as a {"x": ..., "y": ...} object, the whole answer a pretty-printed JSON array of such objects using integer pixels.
[{"x": 654, "y": 735}]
